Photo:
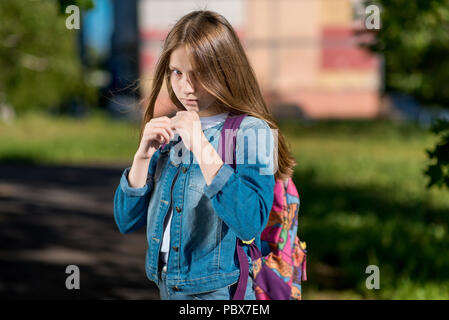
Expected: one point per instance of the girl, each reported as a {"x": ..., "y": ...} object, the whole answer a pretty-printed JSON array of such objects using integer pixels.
[{"x": 194, "y": 205}]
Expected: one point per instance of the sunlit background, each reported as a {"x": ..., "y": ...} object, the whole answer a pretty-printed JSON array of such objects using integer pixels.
[{"x": 358, "y": 103}]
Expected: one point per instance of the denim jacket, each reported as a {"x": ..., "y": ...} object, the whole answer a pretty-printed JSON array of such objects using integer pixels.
[{"x": 206, "y": 218}]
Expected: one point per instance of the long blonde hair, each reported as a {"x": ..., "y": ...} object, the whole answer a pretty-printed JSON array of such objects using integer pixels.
[{"x": 222, "y": 68}]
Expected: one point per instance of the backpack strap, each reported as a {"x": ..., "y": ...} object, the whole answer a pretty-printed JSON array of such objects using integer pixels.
[
  {"x": 227, "y": 144},
  {"x": 227, "y": 152}
]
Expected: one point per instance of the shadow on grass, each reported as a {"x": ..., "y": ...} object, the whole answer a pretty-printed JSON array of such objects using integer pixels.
[
  {"x": 348, "y": 228},
  {"x": 55, "y": 216},
  {"x": 18, "y": 159}
]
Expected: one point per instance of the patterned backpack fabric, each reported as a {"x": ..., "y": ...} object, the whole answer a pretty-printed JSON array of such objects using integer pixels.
[
  {"x": 281, "y": 266},
  {"x": 286, "y": 256}
]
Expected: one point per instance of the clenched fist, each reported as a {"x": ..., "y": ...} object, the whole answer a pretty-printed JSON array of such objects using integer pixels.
[
  {"x": 188, "y": 125},
  {"x": 156, "y": 132}
]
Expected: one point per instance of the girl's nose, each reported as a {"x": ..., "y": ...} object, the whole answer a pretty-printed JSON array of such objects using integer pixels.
[{"x": 187, "y": 87}]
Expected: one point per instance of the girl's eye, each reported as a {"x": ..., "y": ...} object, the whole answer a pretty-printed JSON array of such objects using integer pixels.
[{"x": 176, "y": 73}]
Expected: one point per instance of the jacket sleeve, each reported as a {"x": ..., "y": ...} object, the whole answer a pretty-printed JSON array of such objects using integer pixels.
[
  {"x": 131, "y": 204},
  {"x": 243, "y": 199}
]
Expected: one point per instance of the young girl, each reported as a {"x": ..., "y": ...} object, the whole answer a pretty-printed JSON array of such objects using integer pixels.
[{"x": 194, "y": 205}]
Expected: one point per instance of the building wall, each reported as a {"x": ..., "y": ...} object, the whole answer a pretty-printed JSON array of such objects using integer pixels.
[{"x": 304, "y": 52}]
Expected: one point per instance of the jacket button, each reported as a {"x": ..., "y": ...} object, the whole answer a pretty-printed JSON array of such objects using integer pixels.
[
  {"x": 178, "y": 209},
  {"x": 175, "y": 248},
  {"x": 175, "y": 288},
  {"x": 184, "y": 169}
]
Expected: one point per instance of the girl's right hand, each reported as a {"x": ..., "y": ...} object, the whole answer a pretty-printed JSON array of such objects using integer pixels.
[{"x": 156, "y": 132}]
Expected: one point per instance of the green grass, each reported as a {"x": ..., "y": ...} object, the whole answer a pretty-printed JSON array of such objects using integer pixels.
[
  {"x": 39, "y": 138},
  {"x": 363, "y": 197}
]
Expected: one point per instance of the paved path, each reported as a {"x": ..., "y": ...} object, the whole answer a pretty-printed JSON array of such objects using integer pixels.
[{"x": 55, "y": 216}]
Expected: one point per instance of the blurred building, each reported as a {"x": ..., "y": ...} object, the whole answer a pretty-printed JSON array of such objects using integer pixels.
[
  {"x": 123, "y": 62},
  {"x": 304, "y": 52},
  {"x": 110, "y": 47}
]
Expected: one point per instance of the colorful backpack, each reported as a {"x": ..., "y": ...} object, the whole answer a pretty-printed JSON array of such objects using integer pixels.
[{"x": 281, "y": 266}]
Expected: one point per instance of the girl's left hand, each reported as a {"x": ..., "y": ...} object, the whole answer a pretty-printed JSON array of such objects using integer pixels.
[{"x": 188, "y": 126}]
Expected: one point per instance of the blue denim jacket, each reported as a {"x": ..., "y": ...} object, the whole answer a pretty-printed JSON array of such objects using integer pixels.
[{"x": 206, "y": 218}]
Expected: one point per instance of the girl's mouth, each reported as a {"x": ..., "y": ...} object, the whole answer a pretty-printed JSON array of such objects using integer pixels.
[{"x": 190, "y": 101}]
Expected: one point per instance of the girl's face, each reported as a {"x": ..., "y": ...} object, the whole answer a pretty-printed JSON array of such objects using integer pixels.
[{"x": 188, "y": 91}]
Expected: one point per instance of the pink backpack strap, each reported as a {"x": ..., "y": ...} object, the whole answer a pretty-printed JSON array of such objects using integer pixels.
[
  {"x": 227, "y": 143},
  {"x": 226, "y": 150}
]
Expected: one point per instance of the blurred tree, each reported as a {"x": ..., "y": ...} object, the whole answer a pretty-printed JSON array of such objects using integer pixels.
[
  {"x": 82, "y": 4},
  {"x": 414, "y": 40},
  {"x": 39, "y": 61}
]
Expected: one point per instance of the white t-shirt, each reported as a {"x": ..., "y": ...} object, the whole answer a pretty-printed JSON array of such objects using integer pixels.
[{"x": 206, "y": 122}]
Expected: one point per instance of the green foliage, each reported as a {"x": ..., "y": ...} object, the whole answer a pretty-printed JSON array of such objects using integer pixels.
[
  {"x": 438, "y": 170},
  {"x": 82, "y": 4},
  {"x": 39, "y": 60},
  {"x": 414, "y": 40}
]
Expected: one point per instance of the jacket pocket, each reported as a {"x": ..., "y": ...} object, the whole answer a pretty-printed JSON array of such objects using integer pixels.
[{"x": 218, "y": 294}]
